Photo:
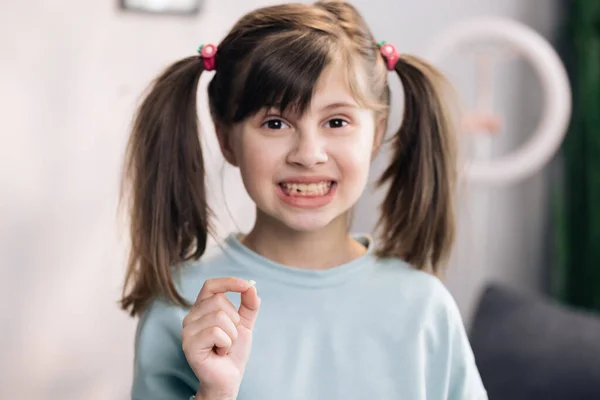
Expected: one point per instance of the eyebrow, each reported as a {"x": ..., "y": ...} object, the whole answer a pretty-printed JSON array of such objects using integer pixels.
[
  {"x": 339, "y": 105},
  {"x": 332, "y": 106}
]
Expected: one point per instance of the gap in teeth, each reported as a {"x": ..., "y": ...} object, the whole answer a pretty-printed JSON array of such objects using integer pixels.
[{"x": 320, "y": 188}]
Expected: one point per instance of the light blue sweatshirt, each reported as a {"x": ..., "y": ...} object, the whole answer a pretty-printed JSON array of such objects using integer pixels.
[{"x": 372, "y": 329}]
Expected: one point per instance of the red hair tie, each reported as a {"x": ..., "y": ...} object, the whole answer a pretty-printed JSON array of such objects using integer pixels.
[
  {"x": 208, "y": 52},
  {"x": 390, "y": 54}
]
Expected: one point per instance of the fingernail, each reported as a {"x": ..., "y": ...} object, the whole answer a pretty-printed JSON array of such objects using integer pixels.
[{"x": 252, "y": 283}]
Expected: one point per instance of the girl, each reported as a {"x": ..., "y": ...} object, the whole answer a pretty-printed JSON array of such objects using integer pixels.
[{"x": 300, "y": 103}]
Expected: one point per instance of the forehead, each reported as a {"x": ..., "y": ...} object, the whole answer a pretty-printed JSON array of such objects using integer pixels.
[{"x": 333, "y": 86}]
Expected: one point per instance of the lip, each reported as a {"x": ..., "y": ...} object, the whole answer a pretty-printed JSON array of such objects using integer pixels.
[{"x": 307, "y": 202}]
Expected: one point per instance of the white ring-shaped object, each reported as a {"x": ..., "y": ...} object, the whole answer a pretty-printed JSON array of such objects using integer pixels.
[{"x": 556, "y": 111}]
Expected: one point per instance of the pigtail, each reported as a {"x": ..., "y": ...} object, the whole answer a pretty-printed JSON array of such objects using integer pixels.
[
  {"x": 417, "y": 221},
  {"x": 165, "y": 182}
]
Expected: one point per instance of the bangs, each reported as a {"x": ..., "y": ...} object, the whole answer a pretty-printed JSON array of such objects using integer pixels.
[{"x": 282, "y": 74}]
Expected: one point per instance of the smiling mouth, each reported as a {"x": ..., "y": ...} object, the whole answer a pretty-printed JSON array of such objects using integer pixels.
[{"x": 307, "y": 189}]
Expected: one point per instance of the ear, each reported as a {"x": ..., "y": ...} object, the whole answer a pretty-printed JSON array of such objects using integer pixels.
[
  {"x": 380, "y": 128},
  {"x": 224, "y": 135}
]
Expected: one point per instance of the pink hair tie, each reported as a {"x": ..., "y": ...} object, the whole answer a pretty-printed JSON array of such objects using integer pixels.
[
  {"x": 208, "y": 52},
  {"x": 390, "y": 54}
]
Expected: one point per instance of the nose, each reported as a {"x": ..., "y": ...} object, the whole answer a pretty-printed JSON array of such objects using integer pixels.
[{"x": 309, "y": 151}]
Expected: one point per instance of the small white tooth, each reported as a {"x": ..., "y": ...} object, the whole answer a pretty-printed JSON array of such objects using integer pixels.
[{"x": 312, "y": 187}]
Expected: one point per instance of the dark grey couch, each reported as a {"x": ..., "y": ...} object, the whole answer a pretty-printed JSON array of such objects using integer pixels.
[{"x": 530, "y": 348}]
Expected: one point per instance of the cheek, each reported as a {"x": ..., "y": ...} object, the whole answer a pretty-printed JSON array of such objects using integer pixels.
[
  {"x": 355, "y": 165},
  {"x": 257, "y": 165},
  {"x": 355, "y": 158}
]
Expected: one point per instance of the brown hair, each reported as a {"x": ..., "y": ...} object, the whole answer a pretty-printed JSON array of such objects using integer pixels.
[{"x": 273, "y": 57}]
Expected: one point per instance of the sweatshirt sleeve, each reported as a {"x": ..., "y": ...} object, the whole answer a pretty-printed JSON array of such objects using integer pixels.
[
  {"x": 464, "y": 380},
  {"x": 161, "y": 371}
]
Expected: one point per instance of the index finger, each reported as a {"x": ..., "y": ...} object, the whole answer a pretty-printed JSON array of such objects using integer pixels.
[{"x": 222, "y": 285}]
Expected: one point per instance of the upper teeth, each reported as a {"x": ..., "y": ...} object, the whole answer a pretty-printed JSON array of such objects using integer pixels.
[{"x": 320, "y": 187}]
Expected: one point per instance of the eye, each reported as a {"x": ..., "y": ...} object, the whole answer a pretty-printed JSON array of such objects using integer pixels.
[
  {"x": 336, "y": 123},
  {"x": 275, "y": 124}
]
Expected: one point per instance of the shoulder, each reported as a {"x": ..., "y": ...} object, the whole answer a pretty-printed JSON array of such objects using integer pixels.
[
  {"x": 421, "y": 298},
  {"x": 436, "y": 320},
  {"x": 422, "y": 290}
]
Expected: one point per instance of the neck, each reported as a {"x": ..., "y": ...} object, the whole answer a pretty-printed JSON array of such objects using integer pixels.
[{"x": 326, "y": 248}]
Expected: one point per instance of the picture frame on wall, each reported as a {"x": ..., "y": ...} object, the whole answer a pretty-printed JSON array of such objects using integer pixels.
[{"x": 167, "y": 7}]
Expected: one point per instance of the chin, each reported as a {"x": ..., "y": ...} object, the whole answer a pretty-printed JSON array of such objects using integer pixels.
[{"x": 306, "y": 223}]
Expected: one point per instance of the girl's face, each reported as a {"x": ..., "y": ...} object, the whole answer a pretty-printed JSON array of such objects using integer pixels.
[{"x": 307, "y": 170}]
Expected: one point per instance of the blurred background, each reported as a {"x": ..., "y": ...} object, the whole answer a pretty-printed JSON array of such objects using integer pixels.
[{"x": 71, "y": 74}]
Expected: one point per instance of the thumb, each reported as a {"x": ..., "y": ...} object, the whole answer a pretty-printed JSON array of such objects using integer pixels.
[{"x": 249, "y": 307}]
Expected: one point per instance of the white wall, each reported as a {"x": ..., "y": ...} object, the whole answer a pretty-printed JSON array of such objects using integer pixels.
[{"x": 70, "y": 75}]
